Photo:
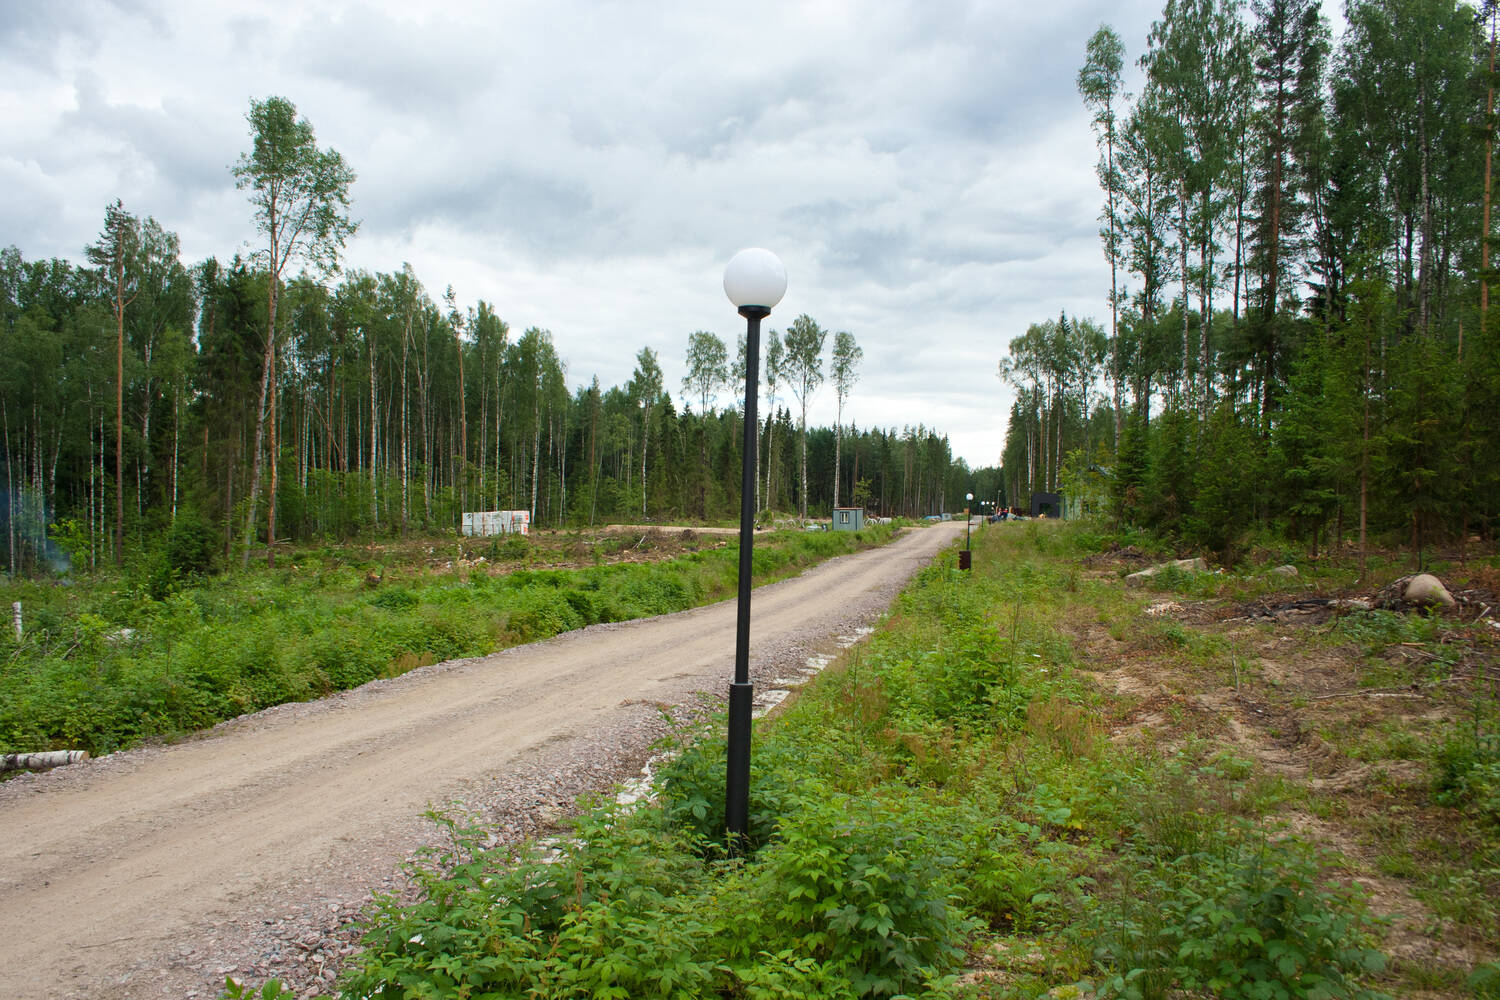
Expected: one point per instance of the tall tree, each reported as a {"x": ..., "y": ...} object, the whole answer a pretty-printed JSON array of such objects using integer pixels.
[
  {"x": 1405, "y": 96},
  {"x": 708, "y": 371},
  {"x": 300, "y": 195},
  {"x": 1199, "y": 58},
  {"x": 707, "y": 368},
  {"x": 1100, "y": 83},
  {"x": 645, "y": 388},
  {"x": 116, "y": 255},
  {"x": 456, "y": 321},
  {"x": 163, "y": 311},
  {"x": 845, "y": 370},
  {"x": 772, "y": 373},
  {"x": 1291, "y": 42},
  {"x": 1490, "y": 12},
  {"x": 803, "y": 368}
]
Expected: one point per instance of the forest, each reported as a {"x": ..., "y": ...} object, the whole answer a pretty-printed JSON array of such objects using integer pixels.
[
  {"x": 1298, "y": 342},
  {"x": 212, "y": 406}
]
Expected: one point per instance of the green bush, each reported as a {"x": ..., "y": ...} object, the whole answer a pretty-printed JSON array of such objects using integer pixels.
[
  {"x": 599, "y": 921},
  {"x": 1240, "y": 918},
  {"x": 862, "y": 886},
  {"x": 395, "y": 599},
  {"x": 511, "y": 548},
  {"x": 691, "y": 788},
  {"x": 540, "y": 612},
  {"x": 192, "y": 547},
  {"x": 1468, "y": 774}
]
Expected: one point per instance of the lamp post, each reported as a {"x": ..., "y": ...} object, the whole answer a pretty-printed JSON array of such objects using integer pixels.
[
  {"x": 755, "y": 281},
  {"x": 965, "y": 559}
]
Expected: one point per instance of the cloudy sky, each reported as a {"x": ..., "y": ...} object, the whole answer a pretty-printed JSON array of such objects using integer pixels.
[{"x": 924, "y": 169}]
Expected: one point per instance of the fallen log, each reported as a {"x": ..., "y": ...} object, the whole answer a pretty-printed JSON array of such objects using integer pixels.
[{"x": 42, "y": 760}]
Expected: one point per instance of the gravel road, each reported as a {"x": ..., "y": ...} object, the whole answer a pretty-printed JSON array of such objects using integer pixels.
[{"x": 251, "y": 849}]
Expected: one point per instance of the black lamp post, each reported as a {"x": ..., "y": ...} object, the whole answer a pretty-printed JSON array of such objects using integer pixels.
[
  {"x": 755, "y": 281},
  {"x": 965, "y": 558}
]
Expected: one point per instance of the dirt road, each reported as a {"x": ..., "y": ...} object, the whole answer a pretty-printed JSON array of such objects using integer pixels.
[{"x": 155, "y": 873}]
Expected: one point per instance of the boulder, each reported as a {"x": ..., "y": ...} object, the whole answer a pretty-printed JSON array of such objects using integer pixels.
[
  {"x": 1427, "y": 591},
  {"x": 1421, "y": 591},
  {"x": 1185, "y": 565}
]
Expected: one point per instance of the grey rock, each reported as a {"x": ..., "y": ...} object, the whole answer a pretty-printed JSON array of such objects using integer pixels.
[
  {"x": 1426, "y": 590},
  {"x": 1140, "y": 578}
]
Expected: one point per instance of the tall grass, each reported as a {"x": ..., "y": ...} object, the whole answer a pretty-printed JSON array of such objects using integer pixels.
[
  {"x": 944, "y": 789},
  {"x": 105, "y": 665}
]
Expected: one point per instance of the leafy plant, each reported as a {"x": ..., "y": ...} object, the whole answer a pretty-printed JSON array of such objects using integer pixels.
[
  {"x": 865, "y": 887},
  {"x": 1237, "y": 917}
]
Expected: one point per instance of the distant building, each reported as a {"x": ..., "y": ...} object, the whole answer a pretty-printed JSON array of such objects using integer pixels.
[
  {"x": 1046, "y": 505},
  {"x": 848, "y": 518},
  {"x": 482, "y": 524}
]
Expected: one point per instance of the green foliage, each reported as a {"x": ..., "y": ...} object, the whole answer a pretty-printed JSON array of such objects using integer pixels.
[
  {"x": 512, "y": 548},
  {"x": 1468, "y": 768},
  {"x": 395, "y": 599},
  {"x": 630, "y": 908},
  {"x": 272, "y": 989},
  {"x": 1227, "y": 485},
  {"x": 598, "y": 921},
  {"x": 1237, "y": 918},
  {"x": 105, "y": 669},
  {"x": 73, "y": 539},
  {"x": 1376, "y": 629},
  {"x": 943, "y": 784},
  {"x": 1201, "y": 901},
  {"x": 691, "y": 788},
  {"x": 862, "y": 886},
  {"x": 1485, "y": 981},
  {"x": 191, "y": 547}
]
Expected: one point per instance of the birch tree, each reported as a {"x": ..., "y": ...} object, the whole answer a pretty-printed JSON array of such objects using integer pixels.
[
  {"x": 645, "y": 388},
  {"x": 803, "y": 368},
  {"x": 300, "y": 195},
  {"x": 845, "y": 370}
]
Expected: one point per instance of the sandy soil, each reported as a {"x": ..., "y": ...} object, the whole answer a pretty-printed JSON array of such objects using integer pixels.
[{"x": 249, "y": 850}]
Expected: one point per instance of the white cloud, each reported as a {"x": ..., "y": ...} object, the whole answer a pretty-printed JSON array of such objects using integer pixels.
[{"x": 924, "y": 168}]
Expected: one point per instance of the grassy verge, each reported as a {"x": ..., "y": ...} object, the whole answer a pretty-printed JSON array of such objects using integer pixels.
[
  {"x": 1030, "y": 782},
  {"x": 104, "y": 664}
]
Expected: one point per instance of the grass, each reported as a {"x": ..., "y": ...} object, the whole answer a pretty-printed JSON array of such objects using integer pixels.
[
  {"x": 109, "y": 662},
  {"x": 1019, "y": 786}
]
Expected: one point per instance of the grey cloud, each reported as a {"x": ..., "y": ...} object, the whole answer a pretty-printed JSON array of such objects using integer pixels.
[
  {"x": 189, "y": 151},
  {"x": 922, "y": 165},
  {"x": 401, "y": 67}
]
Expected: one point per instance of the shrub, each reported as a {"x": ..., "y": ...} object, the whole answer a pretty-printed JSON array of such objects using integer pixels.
[
  {"x": 395, "y": 599},
  {"x": 691, "y": 788},
  {"x": 1468, "y": 774},
  {"x": 1235, "y": 918},
  {"x": 192, "y": 545},
  {"x": 862, "y": 885}
]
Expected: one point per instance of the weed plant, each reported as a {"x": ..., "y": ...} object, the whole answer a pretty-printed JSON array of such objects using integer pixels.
[
  {"x": 107, "y": 666},
  {"x": 944, "y": 796}
]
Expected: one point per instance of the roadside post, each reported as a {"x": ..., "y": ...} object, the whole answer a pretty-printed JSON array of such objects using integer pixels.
[
  {"x": 755, "y": 281},
  {"x": 966, "y": 557}
]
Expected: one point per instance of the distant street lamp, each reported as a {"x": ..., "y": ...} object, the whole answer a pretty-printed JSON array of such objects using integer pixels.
[
  {"x": 755, "y": 281},
  {"x": 966, "y": 559}
]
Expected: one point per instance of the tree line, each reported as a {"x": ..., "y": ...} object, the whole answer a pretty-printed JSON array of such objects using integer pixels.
[
  {"x": 1299, "y": 339},
  {"x": 279, "y": 396}
]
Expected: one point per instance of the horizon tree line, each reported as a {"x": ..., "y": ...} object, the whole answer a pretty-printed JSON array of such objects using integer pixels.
[
  {"x": 146, "y": 396},
  {"x": 1298, "y": 237}
]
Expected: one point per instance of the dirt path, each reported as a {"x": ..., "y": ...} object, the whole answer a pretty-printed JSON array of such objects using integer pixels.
[{"x": 157, "y": 872}]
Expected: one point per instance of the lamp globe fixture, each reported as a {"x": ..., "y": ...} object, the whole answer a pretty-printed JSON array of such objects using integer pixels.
[{"x": 755, "y": 278}]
